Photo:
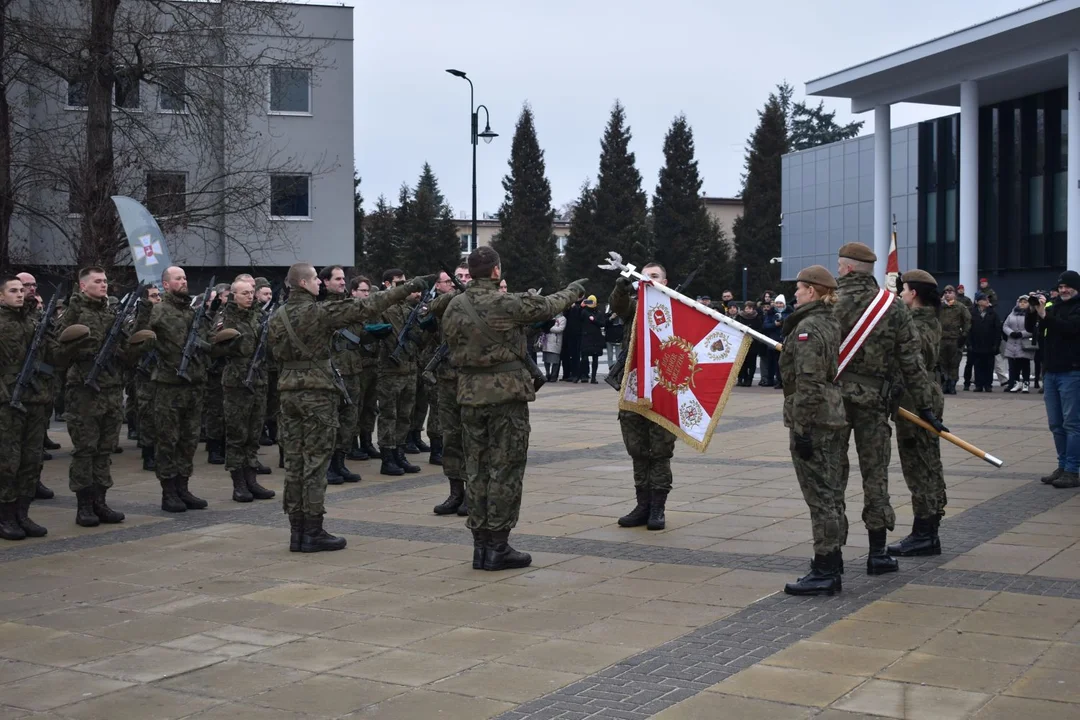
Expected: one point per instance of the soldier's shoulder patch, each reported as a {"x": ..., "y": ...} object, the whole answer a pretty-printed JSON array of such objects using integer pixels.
[{"x": 803, "y": 337}]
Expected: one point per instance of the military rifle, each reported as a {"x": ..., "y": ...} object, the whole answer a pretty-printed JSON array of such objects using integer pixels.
[
  {"x": 443, "y": 351},
  {"x": 104, "y": 358},
  {"x": 260, "y": 349},
  {"x": 410, "y": 322},
  {"x": 30, "y": 364},
  {"x": 193, "y": 343}
]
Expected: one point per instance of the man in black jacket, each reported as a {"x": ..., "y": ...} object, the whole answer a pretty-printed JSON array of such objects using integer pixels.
[{"x": 1060, "y": 324}]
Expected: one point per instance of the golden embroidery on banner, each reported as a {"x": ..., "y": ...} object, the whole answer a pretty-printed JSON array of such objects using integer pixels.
[
  {"x": 676, "y": 365},
  {"x": 659, "y": 317},
  {"x": 691, "y": 414}
]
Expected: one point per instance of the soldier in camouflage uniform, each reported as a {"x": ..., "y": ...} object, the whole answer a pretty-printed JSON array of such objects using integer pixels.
[
  {"x": 650, "y": 446},
  {"x": 955, "y": 327},
  {"x": 300, "y": 337},
  {"x": 364, "y": 388},
  {"x": 888, "y": 360},
  {"x": 264, "y": 294},
  {"x": 345, "y": 359},
  {"x": 244, "y": 407},
  {"x": 144, "y": 386},
  {"x": 814, "y": 415},
  {"x": 485, "y": 331},
  {"x": 920, "y": 450},
  {"x": 47, "y": 381},
  {"x": 426, "y": 400},
  {"x": 397, "y": 382},
  {"x": 94, "y": 417},
  {"x": 213, "y": 407}
]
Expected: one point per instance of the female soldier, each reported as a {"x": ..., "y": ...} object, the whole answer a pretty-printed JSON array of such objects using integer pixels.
[
  {"x": 920, "y": 450},
  {"x": 814, "y": 412}
]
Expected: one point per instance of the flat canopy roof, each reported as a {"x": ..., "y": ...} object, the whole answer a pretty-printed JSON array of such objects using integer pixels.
[{"x": 1010, "y": 56}]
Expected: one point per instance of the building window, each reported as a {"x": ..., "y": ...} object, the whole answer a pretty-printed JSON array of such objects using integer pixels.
[
  {"x": 172, "y": 88},
  {"x": 166, "y": 193},
  {"x": 126, "y": 90},
  {"x": 560, "y": 244},
  {"x": 290, "y": 196},
  {"x": 76, "y": 92},
  {"x": 290, "y": 91},
  {"x": 467, "y": 244}
]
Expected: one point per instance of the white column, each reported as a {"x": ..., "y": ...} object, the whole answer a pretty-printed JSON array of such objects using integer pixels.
[
  {"x": 882, "y": 189},
  {"x": 1072, "y": 257},
  {"x": 969, "y": 186}
]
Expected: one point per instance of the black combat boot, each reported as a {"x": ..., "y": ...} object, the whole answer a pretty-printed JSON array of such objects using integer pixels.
[
  {"x": 46, "y": 455},
  {"x": 404, "y": 461},
  {"x": 257, "y": 491},
  {"x": 640, "y": 514},
  {"x": 261, "y": 469},
  {"x": 148, "y": 461},
  {"x": 43, "y": 493},
  {"x": 105, "y": 513},
  {"x": 296, "y": 531},
  {"x": 170, "y": 501},
  {"x": 922, "y": 541},
  {"x": 879, "y": 562},
  {"x": 463, "y": 509},
  {"x": 657, "y": 500},
  {"x": 133, "y": 431},
  {"x": 450, "y": 505},
  {"x": 333, "y": 473},
  {"x": 215, "y": 452},
  {"x": 264, "y": 437},
  {"x": 418, "y": 440},
  {"x": 435, "y": 458},
  {"x": 838, "y": 557},
  {"x": 389, "y": 463},
  {"x": 823, "y": 579},
  {"x": 479, "y": 546},
  {"x": 500, "y": 556},
  {"x": 9, "y": 523},
  {"x": 51, "y": 444},
  {"x": 346, "y": 474},
  {"x": 356, "y": 452},
  {"x": 410, "y": 443},
  {"x": 84, "y": 514},
  {"x": 192, "y": 502},
  {"x": 368, "y": 447},
  {"x": 31, "y": 528},
  {"x": 272, "y": 431},
  {"x": 315, "y": 539},
  {"x": 280, "y": 457},
  {"x": 240, "y": 492}
]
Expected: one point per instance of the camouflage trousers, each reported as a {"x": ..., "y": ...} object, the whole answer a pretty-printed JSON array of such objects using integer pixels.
[
  {"x": 177, "y": 409},
  {"x": 245, "y": 413},
  {"x": 144, "y": 411},
  {"x": 873, "y": 445},
  {"x": 360, "y": 387},
  {"x": 949, "y": 359},
  {"x": 308, "y": 430},
  {"x": 397, "y": 395},
  {"x": 427, "y": 403},
  {"x": 369, "y": 411},
  {"x": 450, "y": 426},
  {"x": 821, "y": 482},
  {"x": 271, "y": 395},
  {"x": 214, "y": 408},
  {"x": 93, "y": 421},
  {"x": 920, "y": 460},
  {"x": 651, "y": 448},
  {"x": 21, "y": 438},
  {"x": 496, "y": 444}
]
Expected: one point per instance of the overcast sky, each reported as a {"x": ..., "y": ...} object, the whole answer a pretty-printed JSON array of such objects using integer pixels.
[{"x": 716, "y": 61}]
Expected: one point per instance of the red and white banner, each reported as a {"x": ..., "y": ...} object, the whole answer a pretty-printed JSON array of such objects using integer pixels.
[{"x": 682, "y": 366}]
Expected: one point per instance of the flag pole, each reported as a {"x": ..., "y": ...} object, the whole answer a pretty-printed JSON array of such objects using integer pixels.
[{"x": 629, "y": 271}]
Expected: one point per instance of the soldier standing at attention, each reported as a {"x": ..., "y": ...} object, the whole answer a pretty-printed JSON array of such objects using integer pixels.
[
  {"x": 882, "y": 354},
  {"x": 920, "y": 450},
  {"x": 35, "y": 307},
  {"x": 144, "y": 386},
  {"x": 397, "y": 382},
  {"x": 300, "y": 335},
  {"x": 244, "y": 408},
  {"x": 343, "y": 357},
  {"x": 649, "y": 445},
  {"x": 366, "y": 359},
  {"x": 955, "y": 327},
  {"x": 814, "y": 416},
  {"x": 485, "y": 330},
  {"x": 263, "y": 295},
  {"x": 213, "y": 409}
]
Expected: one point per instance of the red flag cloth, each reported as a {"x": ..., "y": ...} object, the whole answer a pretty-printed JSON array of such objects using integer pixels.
[
  {"x": 892, "y": 267},
  {"x": 690, "y": 360}
]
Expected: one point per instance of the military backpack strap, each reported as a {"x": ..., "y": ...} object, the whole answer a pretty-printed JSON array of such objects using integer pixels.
[{"x": 300, "y": 346}]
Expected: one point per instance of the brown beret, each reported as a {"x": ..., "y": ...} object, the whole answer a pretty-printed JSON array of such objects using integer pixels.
[
  {"x": 141, "y": 336},
  {"x": 919, "y": 276},
  {"x": 74, "y": 332},
  {"x": 224, "y": 335},
  {"x": 817, "y": 275},
  {"x": 857, "y": 251},
  {"x": 949, "y": 288}
]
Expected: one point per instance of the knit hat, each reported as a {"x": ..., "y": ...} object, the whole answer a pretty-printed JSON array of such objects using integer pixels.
[
  {"x": 857, "y": 251},
  {"x": 817, "y": 275},
  {"x": 980, "y": 296},
  {"x": 779, "y": 300},
  {"x": 589, "y": 301},
  {"x": 919, "y": 276},
  {"x": 1070, "y": 278}
]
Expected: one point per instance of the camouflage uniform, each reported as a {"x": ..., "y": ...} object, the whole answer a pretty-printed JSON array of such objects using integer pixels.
[
  {"x": 920, "y": 450},
  {"x": 494, "y": 389},
  {"x": 814, "y": 407},
  {"x": 449, "y": 412},
  {"x": 48, "y": 383},
  {"x": 397, "y": 382},
  {"x": 955, "y": 327},
  {"x": 887, "y": 359},
  {"x": 244, "y": 409},
  {"x": 347, "y": 360},
  {"x": 427, "y": 397},
  {"x": 213, "y": 401},
  {"x": 144, "y": 386}
]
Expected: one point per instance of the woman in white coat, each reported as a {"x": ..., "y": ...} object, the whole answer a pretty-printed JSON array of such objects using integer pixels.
[
  {"x": 551, "y": 345},
  {"x": 1019, "y": 349}
]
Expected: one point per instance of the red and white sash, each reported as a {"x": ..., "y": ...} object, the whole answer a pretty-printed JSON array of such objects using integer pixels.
[{"x": 862, "y": 329}]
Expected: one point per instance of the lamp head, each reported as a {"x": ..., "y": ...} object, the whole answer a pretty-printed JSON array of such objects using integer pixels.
[
  {"x": 488, "y": 135},
  {"x": 456, "y": 73}
]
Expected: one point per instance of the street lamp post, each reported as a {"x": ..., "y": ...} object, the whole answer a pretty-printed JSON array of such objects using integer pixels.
[{"x": 488, "y": 135}]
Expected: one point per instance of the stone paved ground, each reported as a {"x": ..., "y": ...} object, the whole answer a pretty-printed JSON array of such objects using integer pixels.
[{"x": 207, "y": 615}]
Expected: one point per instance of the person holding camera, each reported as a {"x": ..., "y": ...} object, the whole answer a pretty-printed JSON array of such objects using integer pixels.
[
  {"x": 1019, "y": 349},
  {"x": 1060, "y": 324}
]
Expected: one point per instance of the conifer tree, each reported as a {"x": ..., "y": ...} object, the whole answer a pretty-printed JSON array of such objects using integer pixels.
[
  {"x": 526, "y": 240},
  {"x": 358, "y": 222},
  {"x": 426, "y": 227},
  {"x": 584, "y": 248},
  {"x": 380, "y": 240}
]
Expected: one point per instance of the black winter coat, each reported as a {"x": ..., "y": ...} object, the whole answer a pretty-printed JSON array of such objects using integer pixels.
[
  {"x": 985, "y": 338},
  {"x": 592, "y": 331},
  {"x": 1061, "y": 344}
]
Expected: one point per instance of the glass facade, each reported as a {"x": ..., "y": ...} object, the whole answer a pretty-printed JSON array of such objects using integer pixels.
[{"x": 1022, "y": 186}]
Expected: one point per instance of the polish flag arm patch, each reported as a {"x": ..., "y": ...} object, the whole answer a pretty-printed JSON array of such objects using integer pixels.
[{"x": 803, "y": 337}]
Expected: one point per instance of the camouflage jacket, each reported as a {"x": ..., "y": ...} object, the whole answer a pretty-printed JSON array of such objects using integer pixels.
[
  {"x": 955, "y": 323},
  {"x": 928, "y": 328},
  {"x": 347, "y": 358},
  {"x": 490, "y": 373},
  {"x": 17, "y": 329},
  {"x": 242, "y": 349},
  {"x": 965, "y": 300},
  {"x": 808, "y": 367},
  {"x": 397, "y": 315},
  {"x": 437, "y": 308},
  {"x": 622, "y": 304},
  {"x": 889, "y": 358},
  {"x": 314, "y": 323},
  {"x": 171, "y": 320},
  {"x": 99, "y": 317},
  {"x": 991, "y": 295}
]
